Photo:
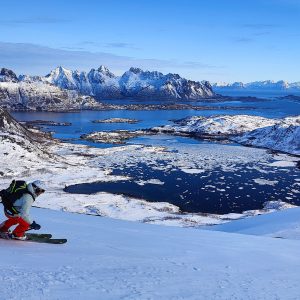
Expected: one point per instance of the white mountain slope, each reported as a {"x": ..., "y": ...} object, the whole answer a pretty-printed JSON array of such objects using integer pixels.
[
  {"x": 135, "y": 83},
  {"x": 113, "y": 259},
  {"x": 34, "y": 93}
]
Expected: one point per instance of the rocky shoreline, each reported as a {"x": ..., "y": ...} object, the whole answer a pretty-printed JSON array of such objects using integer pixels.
[{"x": 137, "y": 107}]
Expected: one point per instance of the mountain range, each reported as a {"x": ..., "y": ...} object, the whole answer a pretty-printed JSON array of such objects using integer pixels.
[
  {"x": 267, "y": 85},
  {"x": 64, "y": 89},
  {"x": 134, "y": 83}
]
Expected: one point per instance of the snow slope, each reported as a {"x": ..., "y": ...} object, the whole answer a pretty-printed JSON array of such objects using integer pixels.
[
  {"x": 113, "y": 259},
  {"x": 285, "y": 224}
]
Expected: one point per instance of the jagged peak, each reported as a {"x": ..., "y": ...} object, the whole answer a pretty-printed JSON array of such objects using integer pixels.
[
  {"x": 59, "y": 71},
  {"x": 173, "y": 76},
  {"x": 8, "y": 75},
  {"x": 135, "y": 70},
  {"x": 105, "y": 71}
]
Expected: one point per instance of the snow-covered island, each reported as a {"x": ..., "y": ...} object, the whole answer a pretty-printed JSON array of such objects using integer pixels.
[
  {"x": 116, "y": 120},
  {"x": 114, "y": 137},
  {"x": 276, "y": 134}
]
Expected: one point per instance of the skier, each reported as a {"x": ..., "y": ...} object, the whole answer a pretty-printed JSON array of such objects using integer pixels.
[{"x": 17, "y": 210}]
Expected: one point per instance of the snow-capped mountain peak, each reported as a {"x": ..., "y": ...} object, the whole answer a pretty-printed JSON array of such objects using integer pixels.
[
  {"x": 64, "y": 77},
  {"x": 105, "y": 71}
]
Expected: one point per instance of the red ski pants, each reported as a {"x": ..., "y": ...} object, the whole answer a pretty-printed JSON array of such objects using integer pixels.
[{"x": 20, "y": 229}]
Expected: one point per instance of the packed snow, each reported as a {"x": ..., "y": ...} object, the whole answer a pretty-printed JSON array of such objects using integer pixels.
[{"x": 113, "y": 259}]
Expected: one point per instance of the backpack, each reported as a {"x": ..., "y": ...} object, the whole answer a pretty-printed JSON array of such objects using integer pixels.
[{"x": 15, "y": 191}]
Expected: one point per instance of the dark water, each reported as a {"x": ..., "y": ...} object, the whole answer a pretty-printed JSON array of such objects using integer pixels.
[{"x": 212, "y": 192}]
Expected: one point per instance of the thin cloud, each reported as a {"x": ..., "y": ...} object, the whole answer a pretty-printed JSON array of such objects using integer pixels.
[
  {"x": 88, "y": 43},
  {"x": 119, "y": 45},
  {"x": 242, "y": 40},
  {"x": 38, "y": 60},
  {"x": 261, "y": 33},
  {"x": 199, "y": 65}
]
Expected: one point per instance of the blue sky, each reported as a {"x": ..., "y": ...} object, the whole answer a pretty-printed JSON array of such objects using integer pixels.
[{"x": 225, "y": 40}]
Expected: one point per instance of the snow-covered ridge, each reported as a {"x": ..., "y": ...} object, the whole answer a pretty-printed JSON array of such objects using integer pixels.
[
  {"x": 134, "y": 83},
  {"x": 271, "y": 85},
  {"x": 35, "y": 93},
  {"x": 17, "y": 142},
  {"x": 277, "y": 134}
]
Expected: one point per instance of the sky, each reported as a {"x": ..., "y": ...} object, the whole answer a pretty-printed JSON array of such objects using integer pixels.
[{"x": 216, "y": 40}]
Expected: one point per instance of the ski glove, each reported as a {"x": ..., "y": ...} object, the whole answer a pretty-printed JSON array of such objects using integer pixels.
[{"x": 35, "y": 226}]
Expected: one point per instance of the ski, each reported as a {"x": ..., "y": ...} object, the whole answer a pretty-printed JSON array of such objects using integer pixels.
[
  {"x": 45, "y": 240},
  {"x": 41, "y": 235},
  {"x": 35, "y": 237}
]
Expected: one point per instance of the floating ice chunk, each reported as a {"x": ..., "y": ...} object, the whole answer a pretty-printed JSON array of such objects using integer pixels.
[
  {"x": 192, "y": 171},
  {"x": 261, "y": 181},
  {"x": 282, "y": 163}
]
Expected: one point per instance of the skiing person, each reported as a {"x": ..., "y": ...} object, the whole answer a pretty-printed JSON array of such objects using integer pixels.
[{"x": 17, "y": 201}]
